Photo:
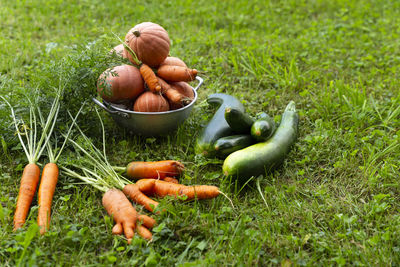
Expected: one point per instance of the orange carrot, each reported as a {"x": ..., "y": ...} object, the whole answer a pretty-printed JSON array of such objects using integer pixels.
[
  {"x": 147, "y": 221},
  {"x": 162, "y": 188},
  {"x": 174, "y": 96},
  {"x": 27, "y": 189},
  {"x": 199, "y": 191},
  {"x": 146, "y": 186},
  {"x": 122, "y": 211},
  {"x": 126, "y": 216},
  {"x": 132, "y": 191},
  {"x": 49, "y": 181},
  {"x": 45, "y": 195},
  {"x": 164, "y": 85},
  {"x": 144, "y": 232},
  {"x": 167, "y": 90},
  {"x": 186, "y": 92},
  {"x": 150, "y": 78},
  {"x": 154, "y": 169},
  {"x": 171, "y": 180},
  {"x": 176, "y": 73},
  {"x": 183, "y": 88}
]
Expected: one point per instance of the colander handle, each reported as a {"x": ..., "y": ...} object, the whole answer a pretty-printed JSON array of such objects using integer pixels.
[
  {"x": 200, "y": 82},
  {"x": 103, "y": 106},
  {"x": 109, "y": 109}
]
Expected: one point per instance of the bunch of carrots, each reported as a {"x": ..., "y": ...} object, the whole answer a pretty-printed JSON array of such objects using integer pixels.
[
  {"x": 154, "y": 179},
  {"x": 93, "y": 168},
  {"x": 33, "y": 146}
]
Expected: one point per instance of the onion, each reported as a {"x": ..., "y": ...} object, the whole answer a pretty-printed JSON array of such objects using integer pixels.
[{"x": 150, "y": 102}]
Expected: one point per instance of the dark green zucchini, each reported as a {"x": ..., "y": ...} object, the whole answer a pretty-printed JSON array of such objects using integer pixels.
[
  {"x": 228, "y": 144},
  {"x": 217, "y": 127},
  {"x": 263, "y": 128},
  {"x": 239, "y": 121},
  {"x": 263, "y": 157}
]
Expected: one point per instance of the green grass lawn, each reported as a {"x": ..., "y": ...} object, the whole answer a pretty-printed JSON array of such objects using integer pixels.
[{"x": 335, "y": 201}]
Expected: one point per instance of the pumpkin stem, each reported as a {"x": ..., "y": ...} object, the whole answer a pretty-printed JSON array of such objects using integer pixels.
[{"x": 136, "y": 33}]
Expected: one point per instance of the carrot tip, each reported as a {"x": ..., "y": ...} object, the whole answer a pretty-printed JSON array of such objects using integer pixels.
[
  {"x": 186, "y": 101},
  {"x": 16, "y": 227}
]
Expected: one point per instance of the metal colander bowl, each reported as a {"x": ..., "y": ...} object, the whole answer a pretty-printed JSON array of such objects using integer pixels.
[{"x": 150, "y": 123}]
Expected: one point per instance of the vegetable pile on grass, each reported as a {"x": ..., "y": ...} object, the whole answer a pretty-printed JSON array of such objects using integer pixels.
[
  {"x": 250, "y": 146},
  {"x": 150, "y": 74},
  {"x": 93, "y": 168},
  {"x": 152, "y": 81}
]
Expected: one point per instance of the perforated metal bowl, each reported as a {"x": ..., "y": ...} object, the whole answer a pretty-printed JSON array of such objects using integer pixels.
[{"x": 150, "y": 123}]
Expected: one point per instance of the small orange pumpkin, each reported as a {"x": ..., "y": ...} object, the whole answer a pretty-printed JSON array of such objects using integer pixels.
[
  {"x": 173, "y": 61},
  {"x": 151, "y": 102},
  {"x": 120, "y": 84},
  {"x": 120, "y": 51},
  {"x": 150, "y": 42}
]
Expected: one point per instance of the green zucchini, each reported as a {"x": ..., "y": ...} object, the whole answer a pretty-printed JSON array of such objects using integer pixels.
[
  {"x": 228, "y": 144},
  {"x": 239, "y": 121},
  {"x": 217, "y": 127},
  {"x": 263, "y": 157},
  {"x": 263, "y": 128}
]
